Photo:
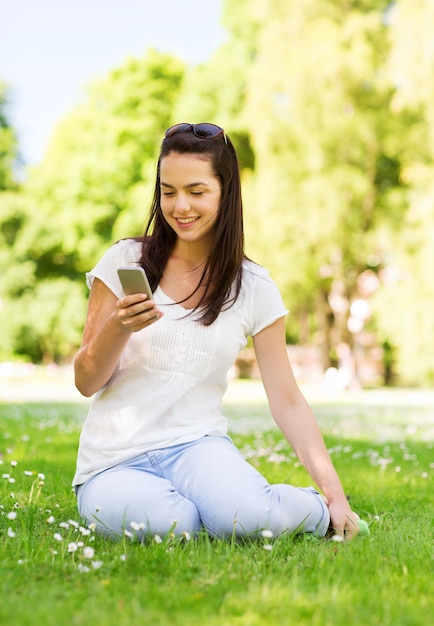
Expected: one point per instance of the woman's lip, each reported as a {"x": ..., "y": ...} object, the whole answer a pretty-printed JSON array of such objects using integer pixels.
[{"x": 186, "y": 221}]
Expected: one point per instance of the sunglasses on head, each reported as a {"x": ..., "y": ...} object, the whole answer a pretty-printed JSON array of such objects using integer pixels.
[{"x": 203, "y": 131}]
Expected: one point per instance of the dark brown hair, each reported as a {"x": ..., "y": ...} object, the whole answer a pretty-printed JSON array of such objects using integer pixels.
[{"x": 222, "y": 274}]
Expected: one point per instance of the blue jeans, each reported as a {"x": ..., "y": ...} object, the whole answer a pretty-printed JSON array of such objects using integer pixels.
[{"x": 201, "y": 484}]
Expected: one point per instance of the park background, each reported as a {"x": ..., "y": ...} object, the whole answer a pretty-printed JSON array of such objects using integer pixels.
[{"x": 330, "y": 104}]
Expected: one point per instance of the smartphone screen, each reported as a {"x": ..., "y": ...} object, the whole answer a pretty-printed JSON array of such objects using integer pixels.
[{"x": 134, "y": 280}]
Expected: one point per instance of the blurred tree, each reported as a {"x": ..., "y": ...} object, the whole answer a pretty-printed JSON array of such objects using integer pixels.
[
  {"x": 11, "y": 216},
  {"x": 328, "y": 153},
  {"x": 14, "y": 275},
  {"x": 216, "y": 91},
  {"x": 331, "y": 106},
  {"x": 8, "y": 144},
  {"x": 95, "y": 182},
  {"x": 404, "y": 306},
  {"x": 93, "y": 187},
  {"x": 217, "y": 95}
]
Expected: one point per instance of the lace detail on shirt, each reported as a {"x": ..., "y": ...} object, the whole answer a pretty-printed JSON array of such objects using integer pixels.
[{"x": 180, "y": 344}]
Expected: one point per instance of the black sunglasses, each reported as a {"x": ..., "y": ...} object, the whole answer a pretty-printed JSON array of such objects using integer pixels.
[{"x": 203, "y": 131}]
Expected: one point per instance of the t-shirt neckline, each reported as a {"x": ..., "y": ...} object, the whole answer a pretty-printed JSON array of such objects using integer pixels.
[{"x": 170, "y": 300}]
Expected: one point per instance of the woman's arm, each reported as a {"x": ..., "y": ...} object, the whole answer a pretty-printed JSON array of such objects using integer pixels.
[
  {"x": 108, "y": 327},
  {"x": 298, "y": 424}
]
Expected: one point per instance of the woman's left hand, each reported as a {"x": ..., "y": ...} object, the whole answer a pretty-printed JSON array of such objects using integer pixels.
[{"x": 343, "y": 520}]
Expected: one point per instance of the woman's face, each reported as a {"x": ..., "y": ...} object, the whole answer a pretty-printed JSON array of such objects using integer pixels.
[{"x": 190, "y": 196}]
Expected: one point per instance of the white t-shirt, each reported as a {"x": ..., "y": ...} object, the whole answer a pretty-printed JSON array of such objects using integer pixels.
[{"x": 168, "y": 386}]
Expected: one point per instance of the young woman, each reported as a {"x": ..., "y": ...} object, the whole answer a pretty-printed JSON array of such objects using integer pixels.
[{"x": 154, "y": 453}]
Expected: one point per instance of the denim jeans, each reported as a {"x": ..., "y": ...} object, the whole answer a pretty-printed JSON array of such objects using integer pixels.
[{"x": 201, "y": 484}]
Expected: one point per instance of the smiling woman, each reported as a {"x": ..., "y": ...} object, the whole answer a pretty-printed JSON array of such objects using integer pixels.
[
  {"x": 154, "y": 447},
  {"x": 198, "y": 168}
]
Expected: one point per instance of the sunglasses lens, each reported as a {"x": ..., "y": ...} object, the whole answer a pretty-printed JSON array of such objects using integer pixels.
[
  {"x": 174, "y": 130},
  {"x": 203, "y": 131},
  {"x": 207, "y": 130}
]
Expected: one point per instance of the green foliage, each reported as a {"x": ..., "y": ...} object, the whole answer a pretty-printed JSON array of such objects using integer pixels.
[
  {"x": 330, "y": 106},
  {"x": 92, "y": 188},
  {"x": 8, "y": 144},
  {"x": 404, "y": 305},
  {"x": 328, "y": 163},
  {"x": 97, "y": 168},
  {"x": 45, "y": 323}
]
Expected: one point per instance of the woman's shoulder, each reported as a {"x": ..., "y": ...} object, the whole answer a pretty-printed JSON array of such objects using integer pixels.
[
  {"x": 253, "y": 271},
  {"x": 262, "y": 297},
  {"x": 125, "y": 251}
]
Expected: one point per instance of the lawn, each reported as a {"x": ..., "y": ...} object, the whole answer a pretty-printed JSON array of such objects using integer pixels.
[{"x": 55, "y": 571}]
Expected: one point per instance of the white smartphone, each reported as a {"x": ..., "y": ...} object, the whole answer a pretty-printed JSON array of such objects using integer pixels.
[{"x": 134, "y": 280}]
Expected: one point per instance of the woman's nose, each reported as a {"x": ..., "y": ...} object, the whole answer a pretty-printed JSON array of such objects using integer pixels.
[{"x": 182, "y": 204}]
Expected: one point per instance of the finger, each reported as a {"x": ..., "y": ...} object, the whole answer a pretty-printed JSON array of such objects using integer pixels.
[
  {"x": 352, "y": 529},
  {"x": 135, "y": 299},
  {"x": 127, "y": 309},
  {"x": 351, "y": 532},
  {"x": 143, "y": 320}
]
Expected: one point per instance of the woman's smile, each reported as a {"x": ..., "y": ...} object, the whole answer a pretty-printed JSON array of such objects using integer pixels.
[{"x": 186, "y": 220}]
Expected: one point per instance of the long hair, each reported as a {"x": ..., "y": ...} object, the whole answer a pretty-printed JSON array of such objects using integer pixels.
[{"x": 222, "y": 273}]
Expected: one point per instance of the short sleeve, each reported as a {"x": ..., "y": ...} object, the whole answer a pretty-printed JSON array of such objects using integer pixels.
[
  {"x": 263, "y": 295},
  {"x": 124, "y": 253}
]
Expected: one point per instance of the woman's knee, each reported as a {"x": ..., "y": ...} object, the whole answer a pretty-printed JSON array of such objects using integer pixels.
[
  {"x": 239, "y": 515},
  {"x": 139, "y": 504}
]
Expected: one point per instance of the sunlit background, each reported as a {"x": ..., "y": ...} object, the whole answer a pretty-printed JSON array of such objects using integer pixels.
[
  {"x": 331, "y": 107},
  {"x": 49, "y": 50}
]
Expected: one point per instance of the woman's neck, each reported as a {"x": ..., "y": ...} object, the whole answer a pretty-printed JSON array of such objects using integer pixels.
[
  {"x": 189, "y": 255},
  {"x": 182, "y": 276}
]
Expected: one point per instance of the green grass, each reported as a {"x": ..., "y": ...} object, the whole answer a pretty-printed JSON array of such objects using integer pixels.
[{"x": 382, "y": 447}]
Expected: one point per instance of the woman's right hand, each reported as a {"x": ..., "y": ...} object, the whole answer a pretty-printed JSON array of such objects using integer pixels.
[
  {"x": 136, "y": 312},
  {"x": 108, "y": 328}
]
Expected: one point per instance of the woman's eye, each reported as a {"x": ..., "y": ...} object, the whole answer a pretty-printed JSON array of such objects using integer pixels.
[
  {"x": 196, "y": 193},
  {"x": 167, "y": 193}
]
